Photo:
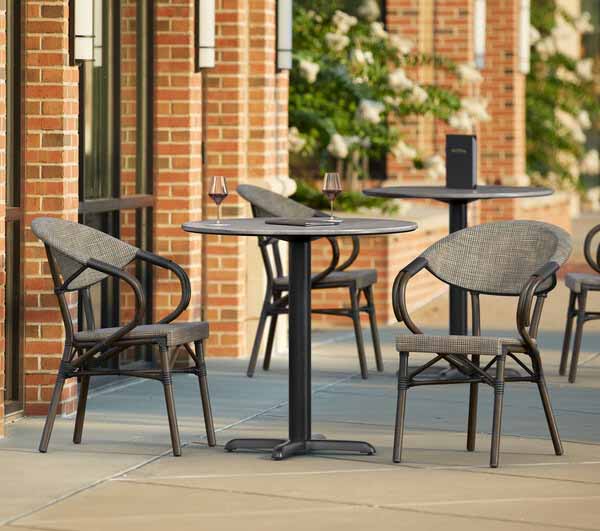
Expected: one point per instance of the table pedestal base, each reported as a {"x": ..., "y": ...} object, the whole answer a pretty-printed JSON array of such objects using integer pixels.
[{"x": 281, "y": 449}]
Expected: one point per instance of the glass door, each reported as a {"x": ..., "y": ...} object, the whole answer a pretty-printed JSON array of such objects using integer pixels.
[
  {"x": 13, "y": 324},
  {"x": 115, "y": 181}
]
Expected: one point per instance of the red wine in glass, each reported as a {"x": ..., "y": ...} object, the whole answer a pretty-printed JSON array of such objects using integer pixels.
[
  {"x": 218, "y": 192},
  {"x": 332, "y": 187}
]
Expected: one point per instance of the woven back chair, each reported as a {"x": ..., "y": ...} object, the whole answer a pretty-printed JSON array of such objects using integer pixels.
[
  {"x": 358, "y": 281},
  {"x": 80, "y": 257},
  {"x": 580, "y": 284},
  {"x": 513, "y": 258}
]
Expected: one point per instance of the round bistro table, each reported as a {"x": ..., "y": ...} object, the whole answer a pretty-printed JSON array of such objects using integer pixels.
[
  {"x": 457, "y": 199},
  {"x": 300, "y": 440}
]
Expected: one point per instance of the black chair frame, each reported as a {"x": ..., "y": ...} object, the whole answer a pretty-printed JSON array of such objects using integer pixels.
[
  {"x": 578, "y": 309},
  {"x": 276, "y": 301},
  {"x": 528, "y": 319},
  {"x": 82, "y": 360}
]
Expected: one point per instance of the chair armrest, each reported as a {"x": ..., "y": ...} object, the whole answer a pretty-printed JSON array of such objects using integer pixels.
[
  {"x": 335, "y": 258},
  {"x": 399, "y": 293},
  {"x": 528, "y": 293},
  {"x": 184, "y": 281},
  {"x": 140, "y": 306},
  {"x": 353, "y": 255},
  {"x": 587, "y": 249}
]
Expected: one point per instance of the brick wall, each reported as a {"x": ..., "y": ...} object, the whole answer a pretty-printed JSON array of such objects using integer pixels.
[
  {"x": 227, "y": 154},
  {"x": 50, "y": 155},
  {"x": 2, "y": 196},
  {"x": 177, "y": 145}
]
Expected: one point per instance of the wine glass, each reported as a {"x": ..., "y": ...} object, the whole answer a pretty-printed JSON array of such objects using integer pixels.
[
  {"x": 218, "y": 192},
  {"x": 332, "y": 187}
]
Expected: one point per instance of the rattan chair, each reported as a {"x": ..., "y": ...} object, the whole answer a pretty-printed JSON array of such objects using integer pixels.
[
  {"x": 580, "y": 284},
  {"x": 358, "y": 281},
  {"x": 514, "y": 258},
  {"x": 79, "y": 257}
]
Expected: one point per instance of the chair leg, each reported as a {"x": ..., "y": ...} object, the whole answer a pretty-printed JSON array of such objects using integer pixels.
[
  {"x": 564, "y": 359},
  {"x": 204, "y": 395},
  {"x": 54, "y": 402},
  {"x": 498, "y": 403},
  {"x": 374, "y": 329},
  {"x": 354, "y": 296},
  {"x": 170, "y": 400},
  {"x": 545, "y": 396},
  {"x": 472, "y": 422},
  {"x": 81, "y": 405},
  {"x": 262, "y": 320},
  {"x": 270, "y": 340},
  {"x": 401, "y": 407},
  {"x": 578, "y": 335}
]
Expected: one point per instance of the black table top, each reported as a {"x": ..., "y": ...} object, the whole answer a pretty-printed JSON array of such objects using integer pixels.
[
  {"x": 258, "y": 227},
  {"x": 443, "y": 193}
]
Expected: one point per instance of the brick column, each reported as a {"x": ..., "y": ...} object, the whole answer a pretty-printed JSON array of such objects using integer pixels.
[
  {"x": 50, "y": 154},
  {"x": 227, "y": 154},
  {"x": 177, "y": 144},
  {"x": 502, "y": 144},
  {"x": 2, "y": 199}
]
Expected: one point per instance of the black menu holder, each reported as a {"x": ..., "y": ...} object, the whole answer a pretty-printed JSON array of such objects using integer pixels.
[{"x": 461, "y": 161}]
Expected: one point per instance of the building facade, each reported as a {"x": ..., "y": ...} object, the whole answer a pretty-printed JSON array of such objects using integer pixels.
[{"x": 127, "y": 142}]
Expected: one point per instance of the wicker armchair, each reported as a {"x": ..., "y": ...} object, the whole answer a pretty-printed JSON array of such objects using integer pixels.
[
  {"x": 514, "y": 258},
  {"x": 580, "y": 284},
  {"x": 358, "y": 281},
  {"x": 79, "y": 257}
]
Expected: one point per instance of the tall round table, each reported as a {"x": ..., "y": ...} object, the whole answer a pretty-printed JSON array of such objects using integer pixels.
[
  {"x": 457, "y": 199},
  {"x": 300, "y": 440}
]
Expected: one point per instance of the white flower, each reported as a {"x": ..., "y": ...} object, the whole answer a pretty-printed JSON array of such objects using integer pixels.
[
  {"x": 585, "y": 69},
  {"x": 583, "y": 24},
  {"x": 590, "y": 165},
  {"x": 584, "y": 119},
  {"x": 593, "y": 196},
  {"x": 402, "y": 151},
  {"x": 546, "y": 47},
  {"x": 343, "y": 21},
  {"x": 461, "y": 121},
  {"x": 570, "y": 162},
  {"x": 370, "y": 111},
  {"x": 369, "y": 10},
  {"x": 369, "y": 57},
  {"x": 295, "y": 141},
  {"x": 309, "y": 70},
  {"x": 336, "y": 41},
  {"x": 378, "y": 30},
  {"x": 534, "y": 35},
  {"x": 402, "y": 44},
  {"x": 436, "y": 167},
  {"x": 476, "y": 108},
  {"x": 566, "y": 75},
  {"x": 468, "y": 73},
  {"x": 358, "y": 56},
  {"x": 394, "y": 101},
  {"x": 418, "y": 95},
  {"x": 399, "y": 81},
  {"x": 571, "y": 124},
  {"x": 337, "y": 146}
]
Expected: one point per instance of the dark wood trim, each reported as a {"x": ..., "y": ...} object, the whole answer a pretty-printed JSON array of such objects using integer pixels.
[
  {"x": 14, "y": 213},
  {"x": 97, "y": 206}
]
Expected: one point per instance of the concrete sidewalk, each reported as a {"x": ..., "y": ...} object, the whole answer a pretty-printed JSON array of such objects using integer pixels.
[{"x": 123, "y": 476}]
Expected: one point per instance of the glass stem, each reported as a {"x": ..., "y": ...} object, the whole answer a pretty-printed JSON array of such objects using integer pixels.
[
  {"x": 219, "y": 214},
  {"x": 331, "y": 209}
]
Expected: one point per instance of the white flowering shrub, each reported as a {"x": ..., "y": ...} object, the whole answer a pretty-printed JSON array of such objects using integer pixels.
[
  {"x": 562, "y": 99},
  {"x": 350, "y": 85}
]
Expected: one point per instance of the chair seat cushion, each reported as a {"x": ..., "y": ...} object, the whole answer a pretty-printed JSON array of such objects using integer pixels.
[
  {"x": 575, "y": 281},
  {"x": 467, "y": 345},
  {"x": 362, "y": 278},
  {"x": 174, "y": 333}
]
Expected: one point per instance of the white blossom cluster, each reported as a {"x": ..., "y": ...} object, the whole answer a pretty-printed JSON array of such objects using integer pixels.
[
  {"x": 308, "y": 70},
  {"x": 369, "y": 10},
  {"x": 295, "y": 140},
  {"x": 571, "y": 124},
  {"x": 370, "y": 111},
  {"x": 435, "y": 166}
]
